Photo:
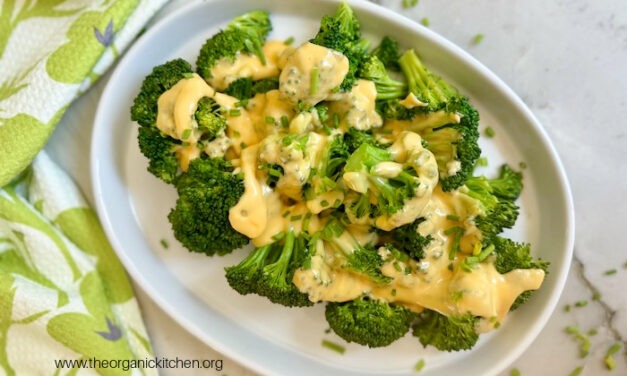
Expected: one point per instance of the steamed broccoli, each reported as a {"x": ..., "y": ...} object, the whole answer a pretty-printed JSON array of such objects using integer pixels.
[
  {"x": 268, "y": 270},
  {"x": 407, "y": 239},
  {"x": 209, "y": 118},
  {"x": 156, "y": 146},
  {"x": 388, "y": 53},
  {"x": 245, "y": 87},
  {"x": 341, "y": 32},
  {"x": 353, "y": 139},
  {"x": 445, "y": 333},
  {"x": 388, "y": 193},
  {"x": 387, "y": 88},
  {"x": 325, "y": 175},
  {"x": 363, "y": 259},
  {"x": 368, "y": 322},
  {"x": 511, "y": 255},
  {"x": 447, "y": 122},
  {"x": 244, "y": 34},
  {"x": 496, "y": 198},
  {"x": 200, "y": 219}
]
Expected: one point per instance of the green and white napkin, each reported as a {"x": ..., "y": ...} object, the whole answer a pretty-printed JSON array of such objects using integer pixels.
[{"x": 63, "y": 293}]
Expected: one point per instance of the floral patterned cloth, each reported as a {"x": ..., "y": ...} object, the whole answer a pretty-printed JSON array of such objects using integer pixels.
[{"x": 63, "y": 293}]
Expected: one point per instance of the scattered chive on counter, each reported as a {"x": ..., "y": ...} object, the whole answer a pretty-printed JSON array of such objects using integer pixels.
[
  {"x": 333, "y": 346},
  {"x": 581, "y": 303},
  {"x": 478, "y": 38},
  {"x": 567, "y": 308},
  {"x": 610, "y": 363},
  {"x": 425, "y": 21},
  {"x": 582, "y": 339},
  {"x": 482, "y": 162},
  {"x": 576, "y": 371},
  {"x": 596, "y": 296},
  {"x": 514, "y": 372},
  {"x": 164, "y": 244},
  {"x": 420, "y": 365},
  {"x": 522, "y": 165},
  {"x": 489, "y": 132},
  {"x": 409, "y": 3},
  {"x": 611, "y": 272}
]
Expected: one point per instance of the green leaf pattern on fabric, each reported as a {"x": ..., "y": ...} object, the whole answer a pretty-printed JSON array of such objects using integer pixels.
[
  {"x": 73, "y": 61},
  {"x": 63, "y": 293}
]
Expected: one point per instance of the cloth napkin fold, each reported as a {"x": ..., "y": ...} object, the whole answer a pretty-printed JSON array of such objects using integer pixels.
[{"x": 63, "y": 293}]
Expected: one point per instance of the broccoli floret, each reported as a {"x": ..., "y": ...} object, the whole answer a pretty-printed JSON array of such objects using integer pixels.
[
  {"x": 407, "y": 239},
  {"x": 244, "y": 34},
  {"x": 245, "y": 87},
  {"x": 156, "y": 146},
  {"x": 453, "y": 333},
  {"x": 388, "y": 53},
  {"x": 363, "y": 259},
  {"x": 200, "y": 219},
  {"x": 511, "y": 255},
  {"x": 329, "y": 168},
  {"x": 496, "y": 199},
  {"x": 341, "y": 32},
  {"x": 353, "y": 139},
  {"x": 268, "y": 271},
  {"x": 368, "y": 322},
  {"x": 209, "y": 118},
  {"x": 387, "y": 88},
  {"x": 388, "y": 193},
  {"x": 448, "y": 123}
]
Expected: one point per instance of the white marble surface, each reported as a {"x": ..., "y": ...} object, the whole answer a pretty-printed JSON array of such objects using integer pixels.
[{"x": 568, "y": 61}]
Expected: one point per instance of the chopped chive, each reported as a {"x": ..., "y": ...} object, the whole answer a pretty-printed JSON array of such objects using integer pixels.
[
  {"x": 164, "y": 243},
  {"x": 409, "y": 3},
  {"x": 593, "y": 332},
  {"x": 188, "y": 75},
  {"x": 581, "y": 303},
  {"x": 315, "y": 78},
  {"x": 337, "y": 203},
  {"x": 420, "y": 365},
  {"x": 614, "y": 349},
  {"x": 452, "y": 217},
  {"x": 567, "y": 308},
  {"x": 286, "y": 214},
  {"x": 425, "y": 21},
  {"x": 596, "y": 296},
  {"x": 235, "y": 112},
  {"x": 576, "y": 371},
  {"x": 611, "y": 272},
  {"x": 407, "y": 270},
  {"x": 269, "y": 120},
  {"x": 481, "y": 162},
  {"x": 333, "y": 346},
  {"x": 514, "y": 372},
  {"x": 324, "y": 203},
  {"x": 184, "y": 143},
  {"x": 393, "y": 293},
  {"x": 397, "y": 266},
  {"x": 458, "y": 295},
  {"x": 522, "y": 165},
  {"x": 284, "y": 121},
  {"x": 242, "y": 145},
  {"x": 289, "y": 41},
  {"x": 489, "y": 132},
  {"x": 296, "y": 217},
  {"x": 610, "y": 363},
  {"x": 186, "y": 134},
  {"x": 478, "y": 38}
]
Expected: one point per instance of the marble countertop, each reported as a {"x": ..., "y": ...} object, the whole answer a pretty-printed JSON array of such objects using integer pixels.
[{"x": 567, "y": 60}]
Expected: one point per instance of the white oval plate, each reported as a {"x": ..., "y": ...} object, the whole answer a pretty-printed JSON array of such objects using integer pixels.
[{"x": 133, "y": 206}]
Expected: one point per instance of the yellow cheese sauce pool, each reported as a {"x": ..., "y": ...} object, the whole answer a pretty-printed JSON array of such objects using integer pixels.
[{"x": 256, "y": 134}]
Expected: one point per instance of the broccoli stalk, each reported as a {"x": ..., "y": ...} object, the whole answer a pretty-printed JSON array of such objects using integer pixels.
[
  {"x": 446, "y": 333},
  {"x": 387, "y": 88},
  {"x": 368, "y": 322},
  {"x": 200, "y": 219},
  {"x": 244, "y": 34},
  {"x": 341, "y": 32},
  {"x": 358, "y": 258},
  {"x": 268, "y": 271}
]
